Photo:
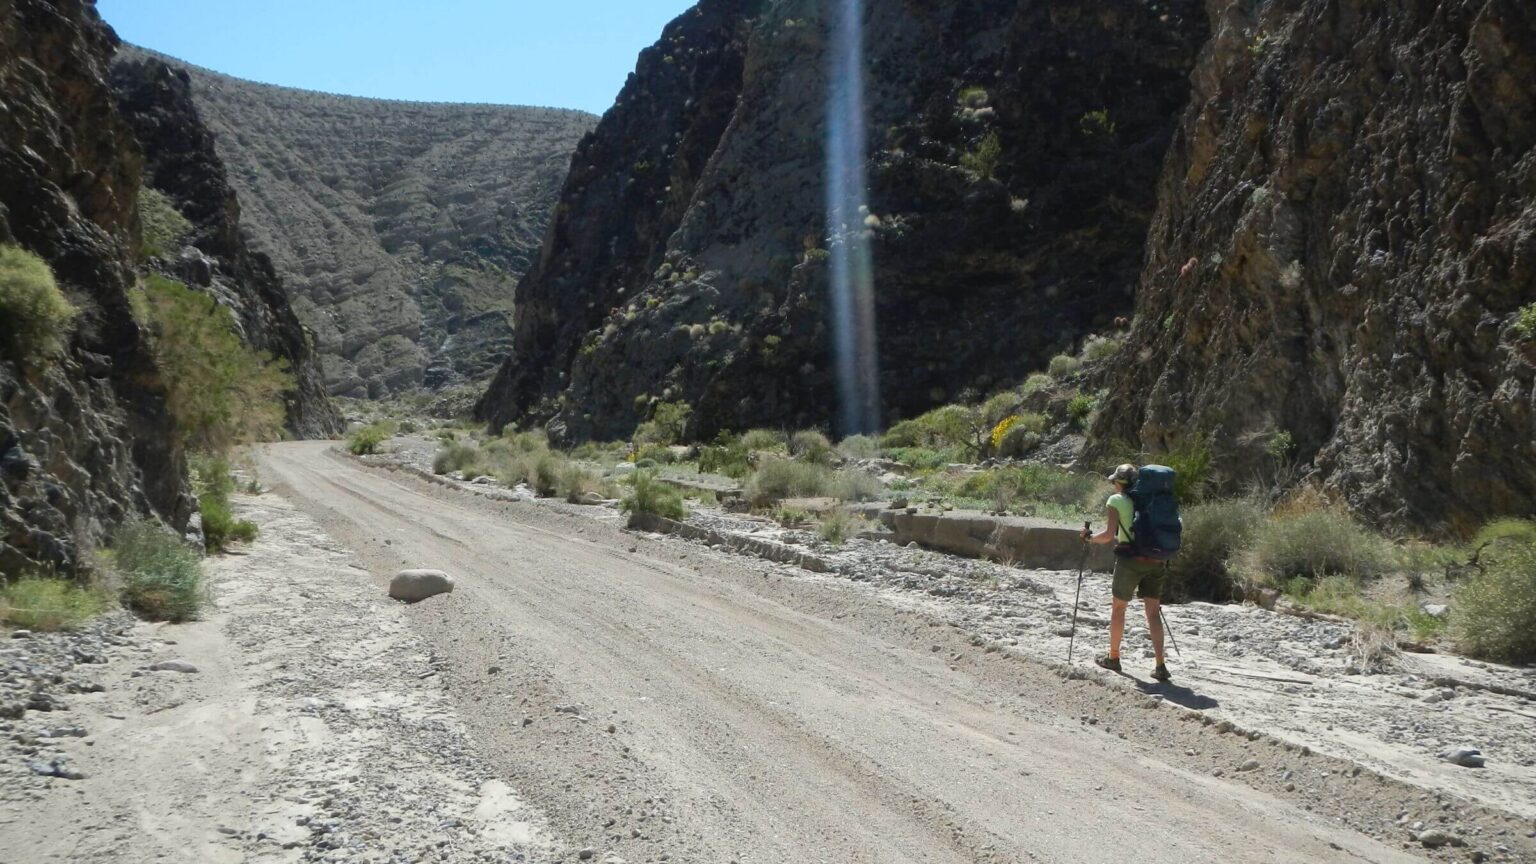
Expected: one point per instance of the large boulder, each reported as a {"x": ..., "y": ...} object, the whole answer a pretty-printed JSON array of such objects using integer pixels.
[{"x": 415, "y": 585}]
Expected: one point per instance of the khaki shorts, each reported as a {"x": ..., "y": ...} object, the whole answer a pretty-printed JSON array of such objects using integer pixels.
[{"x": 1141, "y": 577}]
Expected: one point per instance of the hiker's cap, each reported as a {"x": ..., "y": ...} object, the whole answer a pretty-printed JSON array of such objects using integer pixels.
[{"x": 1124, "y": 474}]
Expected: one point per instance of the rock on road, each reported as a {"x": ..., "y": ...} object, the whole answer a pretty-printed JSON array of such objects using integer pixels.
[{"x": 653, "y": 700}]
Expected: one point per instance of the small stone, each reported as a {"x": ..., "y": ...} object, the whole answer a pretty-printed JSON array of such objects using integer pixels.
[
  {"x": 1250, "y": 765},
  {"x": 1467, "y": 757},
  {"x": 181, "y": 666},
  {"x": 21, "y": 634},
  {"x": 1436, "y": 837},
  {"x": 586, "y": 854},
  {"x": 567, "y": 709}
]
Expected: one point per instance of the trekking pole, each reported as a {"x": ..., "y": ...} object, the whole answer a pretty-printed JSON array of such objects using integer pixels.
[
  {"x": 1087, "y": 526},
  {"x": 1166, "y": 629}
]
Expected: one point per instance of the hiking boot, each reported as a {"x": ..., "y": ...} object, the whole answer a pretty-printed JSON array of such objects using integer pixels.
[
  {"x": 1160, "y": 674},
  {"x": 1108, "y": 662}
]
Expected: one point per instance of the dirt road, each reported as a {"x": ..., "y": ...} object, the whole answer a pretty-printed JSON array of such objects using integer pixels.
[{"x": 660, "y": 704}]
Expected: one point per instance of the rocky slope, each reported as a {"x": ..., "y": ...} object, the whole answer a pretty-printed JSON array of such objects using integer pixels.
[
  {"x": 1357, "y": 184},
  {"x": 87, "y": 439},
  {"x": 399, "y": 228},
  {"x": 180, "y": 162},
  {"x": 1016, "y": 147}
]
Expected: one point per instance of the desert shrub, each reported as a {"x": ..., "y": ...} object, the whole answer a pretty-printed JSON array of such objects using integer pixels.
[
  {"x": 983, "y": 160},
  {"x": 1080, "y": 407},
  {"x": 1525, "y": 321},
  {"x": 999, "y": 408},
  {"x": 837, "y": 526},
  {"x": 811, "y": 445},
  {"x": 656, "y": 454},
  {"x": 1100, "y": 347},
  {"x": 43, "y": 603},
  {"x": 952, "y": 426},
  {"x": 1063, "y": 365},
  {"x": 728, "y": 457},
  {"x": 1213, "y": 533},
  {"x": 547, "y": 469},
  {"x": 213, "y": 484},
  {"x": 764, "y": 439},
  {"x": 463, "y": 458},
  {"x": 855, "y": 485},
  {"x": 366, "y": 439},
  {"x": 668, "y": 423},
  {"x": 163, "y": 227},
  {"x": 1507, "y": 530},
  {"x": 922, "y": 458},
  {"x": 790, "y": 517},
  {"x": 35, "y": 317},
  {"x": 649, "y": 495},
  {"x": 409, "y": 427},
  {"x": 529, "y": 441},
  {"x": 1018, "y": 441},
  {"x": 1031, "y": 482},
  {"x": 1193, "y": 467},
  {"x": 777, "y": 479},
  {"x": 576, "y": 481},
  {"x": 859, "y": 447},
  {"x": 1035, "y": 383},
  {"x": 1314, "y": 544},
  {"x": 219, "y": 390},
  {"x": 1493, "y": 615},
  {"x": 161, "y": 577}
]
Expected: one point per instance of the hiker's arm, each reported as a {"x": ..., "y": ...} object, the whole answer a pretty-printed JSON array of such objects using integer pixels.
[{"x": 1111, "y": 527}]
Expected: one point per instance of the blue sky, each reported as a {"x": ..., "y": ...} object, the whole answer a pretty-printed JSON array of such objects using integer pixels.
[{"x": 558, "y": 53}]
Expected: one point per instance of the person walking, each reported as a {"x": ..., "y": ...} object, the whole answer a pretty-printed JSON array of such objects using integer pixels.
[{"x": 1134, "y": 575}]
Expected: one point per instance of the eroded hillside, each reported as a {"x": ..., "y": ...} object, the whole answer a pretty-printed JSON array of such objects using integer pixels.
[
  {"x": 400, "y": 228},
  {"x": 1013, "y": 175}
]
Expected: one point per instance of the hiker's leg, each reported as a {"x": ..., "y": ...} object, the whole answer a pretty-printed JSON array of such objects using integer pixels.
[
  {"x": 1155, "y": 624},
  {"x": 1116, "y": 627}
]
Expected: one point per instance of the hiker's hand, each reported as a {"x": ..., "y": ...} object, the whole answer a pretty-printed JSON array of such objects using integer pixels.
[{"x": 1086, "y": 534}]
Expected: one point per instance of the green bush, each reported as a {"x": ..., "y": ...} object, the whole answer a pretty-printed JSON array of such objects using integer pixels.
[
  {"x": 837, "y": 526},
  {"x": 922, "y": 458},
  {"x": 162, "y": 578},
  {"x": 1213, "y": 533},
  {"x": 649, "y": 495},
  {"x": 214, "y": 484},
  {"x": 164, "y": 229},
  {"x": 1193, "y": 468},
  {"x": 547, "y": 468},
  {"x": 219, "y": 390},
  {"x": 777, "y": 479},
  {"x": 790, "y": 517},
  {"x": 1100, "y": 347},
  {"x": 764, "y": 439},
  {"x": 365, "y": 440},
  {"x": 531, "y": 441},
  {"x": 41, "y": 603},
  {"x": 668, "y": 424},
  {"x": 463, "y": 458},
  {"x": 983, "y": 160},
  {"x": 728, "y": 457},
  {"x": 999, "y": 407},
  {"x": 1317, "y": 543},
  {"x": 952, "y": 426},
  {"x": 812, "y": 446},
  {"x": 1080, "y": 407},
  {"x": 576, "y": 481},
  {"x": 1493, "y": 615},
  {"x": 1510, "y": 530},
  {"x": 1063, "y": 365},
  {"x": 35, "y": 318},
  {"x": 1525, "y": 321},
  {"x": 859, "y": 447},
  {"x": 855, "y": 485}
]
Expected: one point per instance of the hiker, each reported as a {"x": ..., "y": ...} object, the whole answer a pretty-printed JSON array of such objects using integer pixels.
[{"x": 1134, "y": 574}]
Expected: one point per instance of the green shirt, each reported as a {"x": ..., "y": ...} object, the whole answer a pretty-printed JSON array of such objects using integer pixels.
[{"x": 1122, "y": 504}]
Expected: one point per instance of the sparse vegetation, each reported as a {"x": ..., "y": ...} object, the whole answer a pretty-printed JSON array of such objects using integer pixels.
[
  {"x": 668, "y": 424},
  {"x": 1525, "y": 321},
  {"x": 764, "y": 439},
  {"x": 859, "y": 447},
  {"x": 463, "y": 458},
  {"x": 1315, "y": 544},
  {"x": 855, "y": 486},
  {"x": 812, "y": 446},
  {"x": 214, "y": 484},
  {"x": 47, "y": 604},
  {"x": 164, "y": 229},
  {"x": 365, "y": 440},
  {"x": 984, "y": 159},
  {"x": 35, "y": 318},
  {"x": 161, "y": 577},
  {"x": 1493, "y": 615},
  {"x": 1063, "y": 365},
  {"x": 777, "y": 479},
  {"x": 837, "y": 526},
  {"x": 1080, "y": 408},
  {"x": 1213, "y": 533}
]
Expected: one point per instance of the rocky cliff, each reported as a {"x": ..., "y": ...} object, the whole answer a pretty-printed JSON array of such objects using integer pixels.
[
  {"x": 86, "y": 439},
  {"x": 1356, "y": 182},
  {"x": 399, "y": 228},
  {"x": 180, "y": 162},
  {"x": 1015, "y": 150}
]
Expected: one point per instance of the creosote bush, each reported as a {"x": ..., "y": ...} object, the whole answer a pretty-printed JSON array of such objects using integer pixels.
[
  {"x": 777, "y": 479},
  {"x": 649, "y": 495},
  {"x": 1213, "y": 533},
  {"x": 365, "y": 440},
  {"x": 47, "y": 604},
  {"x": 161, "y": 577},
  {"x": 164, "y": 228},
  {"x": 35, "y": 317},
  {"x": 214, "y": 484},
  {"x": 1317, "y": 543},
  {"x": 838, "y": 525},
  {"x": 812, "y": 446},
  {"x": 1493, "y": 615},
  {"x": 1063, "y": 365},
  {"x": 859, "y": 447}
]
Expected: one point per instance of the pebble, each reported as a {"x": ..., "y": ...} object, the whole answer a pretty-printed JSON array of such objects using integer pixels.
[
  {"x": 21, "y": 634},
  {"x": 1250, "y": 765},
  {"x": 1437, "y": 837},
  {"x": 181, "y": 666},
  {"x": 1467, "y": 757}
]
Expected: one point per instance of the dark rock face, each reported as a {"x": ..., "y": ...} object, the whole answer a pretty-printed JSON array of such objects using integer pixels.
[
  {"x": 399, "y": 228},
  {"x": 1357, "y": 182},
  {"x": 180, "y": 161},
  {"x": 87, "y": 440},
  {"x": 687, "y": 261}
]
